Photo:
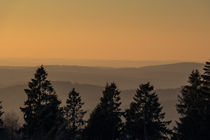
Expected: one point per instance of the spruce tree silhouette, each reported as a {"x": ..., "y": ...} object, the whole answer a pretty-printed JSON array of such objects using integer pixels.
[
  {"x": 189, "y": 106},
  {"x": 144, "y": 118},
  {"x": 105, "y": 121},
  {"x": 74, "y": 115},
  {"x": 42, "y": 113},
  {"x": 3, "y": 132},
  {"x": 194, "y": 107},
  {"x": 205, "y": 129},
  {"x": 1, "y": 113}
]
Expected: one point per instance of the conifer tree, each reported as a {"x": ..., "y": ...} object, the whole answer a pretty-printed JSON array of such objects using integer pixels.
[
  {"x": 194, "y": 107},
  {"x": 74, "y": 115},
  {"x": 189, "y": 106},
  {"x": 105, "y": 121},
  {"x": 205, "y": 109},
  {"x": 1, "y": 113},
  {"x": 144, "y": 118},
  {"x": 42, "y": 113}
]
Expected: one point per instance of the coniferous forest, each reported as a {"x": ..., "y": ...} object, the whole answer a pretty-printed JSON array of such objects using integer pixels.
[{"x": 47, "y": 118}]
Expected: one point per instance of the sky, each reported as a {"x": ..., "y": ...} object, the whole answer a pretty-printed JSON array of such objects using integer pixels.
[{"x": 160, "y": 30}]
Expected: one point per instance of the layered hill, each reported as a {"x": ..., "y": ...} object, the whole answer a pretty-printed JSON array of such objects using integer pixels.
[
  {"x": 162, "y": 76},
  {"x": 90, "y": 82}
]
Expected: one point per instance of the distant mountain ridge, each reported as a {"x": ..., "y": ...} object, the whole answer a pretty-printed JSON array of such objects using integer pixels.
[
  {"x": 83, "y": 62},
  {"x": 162, "y": 76},
  {"x": 90, "y": 82}
]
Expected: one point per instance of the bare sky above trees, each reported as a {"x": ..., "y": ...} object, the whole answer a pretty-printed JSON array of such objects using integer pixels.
[{"x": 105, "y": 29}]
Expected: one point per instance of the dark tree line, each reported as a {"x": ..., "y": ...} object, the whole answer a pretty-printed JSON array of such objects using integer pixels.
[
  {"x": 144, "y": 118},
  {"x": 46, "y": 119},
  {"x": 105, "y": 121},
  {"x": 194, "y": 107}
]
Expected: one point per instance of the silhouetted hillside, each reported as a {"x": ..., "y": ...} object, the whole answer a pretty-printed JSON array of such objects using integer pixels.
[{"x": 162, "y": 76}]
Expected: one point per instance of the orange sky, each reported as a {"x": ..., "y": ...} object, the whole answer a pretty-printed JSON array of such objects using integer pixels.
[{"x": 105, "y": 29}]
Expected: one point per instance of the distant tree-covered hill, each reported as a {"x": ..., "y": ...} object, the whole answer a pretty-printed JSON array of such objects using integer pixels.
[{"x": 162, "y": 76}]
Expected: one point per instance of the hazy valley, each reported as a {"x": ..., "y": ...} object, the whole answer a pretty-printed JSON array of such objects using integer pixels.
[{"x": 90, "y": 82}]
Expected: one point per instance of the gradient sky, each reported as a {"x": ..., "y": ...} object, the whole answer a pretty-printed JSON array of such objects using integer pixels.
[{"x": 105, "y": 29}]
